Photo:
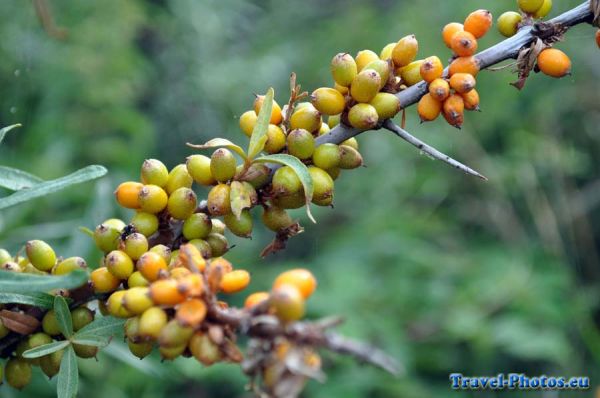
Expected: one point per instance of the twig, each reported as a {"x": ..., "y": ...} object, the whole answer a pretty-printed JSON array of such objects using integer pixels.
[{"x": 428, "y": 149}]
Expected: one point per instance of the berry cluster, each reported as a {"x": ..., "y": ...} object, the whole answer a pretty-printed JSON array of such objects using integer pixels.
[{"x": 40, "y": 259}]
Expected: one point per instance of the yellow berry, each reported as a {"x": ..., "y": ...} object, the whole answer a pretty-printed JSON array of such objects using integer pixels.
[
  {"x": 152, "y": 321},
  {"x": 508, "y": 23},
  {"x": 69, "y": 265},
  {"x": 387, "y": 105},
  {"x": 386, "y": 52},
  {"x": 248, "y": 121},
  {"x": 343, "y": 69},
  {"x": 137, "y": 299},
  {"x": 302, "y": 279},
  {"x": 178, "y": 178},
  {"x": 275, "y": 139},
  {"x": 306, "y": 117},
  {"x": 115, "y": 305},
  {"x": 154, "y": 172},
  {"x": 218, "y": 201},
  {"x": 363, "y": 116},
  {"x": 137, "y": 280},
  {"x": 276, "y": 115},
  {"x": 365, "y": 57},
  {"x": 234, "y": 281},
  {"x": 198, "y": 167},
  {"x": 411, "y": 73},
  {"x": 405, "y": 50},
  {"x": 365, "y": 85},
  {"x": 119, "y": 264},
  {"x": 152, "y": 199},
  {"x": 328, "y": 101},
  {"x": 287, "y": 303},
  {"x": 182, "y": 203},
  {"x": 222, "y": 165},
  {"x": 40, "y": 255},
  {"x": 103, "y": 281},
  {"x": 255, "y": 299},
  {"x": 144, "y": 223},
  {"x": 530, "y": 6}
]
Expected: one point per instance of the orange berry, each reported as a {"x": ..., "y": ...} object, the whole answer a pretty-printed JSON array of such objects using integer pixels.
[
  {"x": 598, "y": 38},
  {"x": 365, "y": 57},
  {"x": 464, "y": 44},
  {"x": 191, "y": 257},
  {"x": 453, "y": 108},
  {"x": 431, "y": 69},
  {"x": 462, "y": 82},
  {"x": 276, "y": 115},
  {"x": 103, "y": 281},
  {"x": 225, "y": 265},
  {"x": 302, "y": 279},
  {"x": 166, "y": 292},
  {"x": 439, "y": 89},
  {"x": 468, "y": 65},
  {"x": 429, "y": 108},
  {"x": 179, "y": 272},
  {"x": 449, "y": 31},
  {"x": 234, "y": 281},
  {"x": 191, "y": 285},
  {"x": 478, "y": 23},
  {"x": 471, "y": 100},
  {"x": 127, "y": 194},
  {"x": 151, "y": 265},
  {"x": 255, "y": 299},
  {"x": 553, "y": 62},
  {"x": 191, "y": 312}
]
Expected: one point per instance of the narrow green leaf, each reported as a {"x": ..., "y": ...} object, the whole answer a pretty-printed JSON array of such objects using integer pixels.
[
  {"x": 16, "y": 282},
  {"x": 86, "y": 174},
  {"x": 63, "y": 316},
  {"x": 259, "y": 133},
  {"x": 41, "y": 300},
  {"x": 68, "y": 376},
  {"x": 99, "y": 332},
  {"x": 301, "y": 171},
  {"x": 15, "y": 179},
  {"x": 239, "y": 197},
  {"x": 6, "y": 129},
  {"x": 46, "y": 349},
  {"x": 221, "y": 143}
]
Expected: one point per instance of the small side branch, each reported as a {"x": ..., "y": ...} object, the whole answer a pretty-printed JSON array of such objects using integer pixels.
[{"x": 428, "y": 149}]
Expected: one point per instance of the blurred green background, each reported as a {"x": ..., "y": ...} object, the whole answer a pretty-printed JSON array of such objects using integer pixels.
[{"x": 448, "y": 273}]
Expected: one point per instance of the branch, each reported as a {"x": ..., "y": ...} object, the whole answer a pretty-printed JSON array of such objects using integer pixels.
[{"x": 506, "y": 49}]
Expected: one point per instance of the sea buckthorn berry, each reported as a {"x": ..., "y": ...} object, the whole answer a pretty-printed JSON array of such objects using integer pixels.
[
  {"x": 154, "y": 172},
  {"x": 81, "y": 316},
  {"x": 248, "y": 121},
  {"x": 103, "y": 281},
  {"x": 292, "y": 201},
  {"x": 107, "y": 237},
  {"x": 468, "y": 65},
  {"x": 275, "y": 139},
  {"x": 333, "y": 120},
  {"x": 69, "y": 265},
  {"x": 152, "y": 199},
  {"x": 12, "y": 267},
  {"x": 350, "y": 158},
  {"x": 334, "y": 172},
  {"x": 197, "y": 226},
  {"x": 343, "y": 90},
  {"x": 365, "y": 85},
  {"x": 276, "y": 115},
  {"x": 453, "y": 110},
  {"x": 286, "y": 181},
  {"x": 152, "y": 266},
  {"x": 137, "y": 299},
  {"x": 508, "y": 23},
  {"x": 134, "y": 245},
  {"x": 387, "y": 105},
  {"x": 464, "y": 44},
  {"x": 5, "y": 256},
  {"x": 478, "y": 23},
  {"x": 471, "y": 100},
  {"x": 324, "y": 129},
  {"x": 40, "y": 255},
  {"x": 152, "y": 321},
  {"x": 119, "y": 264},
  {"x": 322, "y": 186},
  {"x": 191, "y": 312},
  {"x": 50, "y": 364},
  {"x": 182, "y": 203},
  {"x": 179, "y": 272},
  {"x": 276, "y": 218},
  {"x": 381, "y": 67},
  {"x": 174, "y": 334},
  {"x": 17, "y": 373},
  {"x": 405, "y": 50},
  {"x": 132, "y": 329},
  {"x": 166, "y": 292},
  {"x": 351, "y": 142},
  {"x": 256, "y": 298},
  {"x": 144, "y": 223},
  {"x": 598, "y": 38},
  {"x": 462, "y": 82},
  {"x": 306, "y": 117},
  {"x": 328, "y": 101},
  {"x": 431, "y": 69},
  {"x": 300, "y": 143},
  {"x": 428, "y": 108},
  {"x": 204, "y": 349},
  {"x": 222, "y": 165},
  {"x": 343, "y": 69},
  {"x": 191, "y": 285},
  {"x": 85, "y": 351},
  {"x": 411, "y": 73},
  {"x": 127, "y": 194},
  {"x": 178, "y": 178},
  {"x": 439, "y": 89},
  {"x": 302, "y": 279},
  {"x": 137, "y": 280},
  {"x": 235, "y": 281},
  {"x": 140, "y": 350},
  {"x": 363, "y": 116},
  {"x": 553, "y": 62},
  {"x": 38, "y": 339},
  {"x": 365, "y": 57},
  {"x": 192, "y": 257},
  {"x": 241, "y": 227},
  {"x": 543, "y": 10},
  {"x": 201, "y": 246},
  {"x": 50, "y": 324},
  {"x": 287, "y": 303},
  {"x": 386, "y": 52},
  {"x": 326, "y": 156},
  {"x": 449, "y": 30},
  {"x": 171, "y": 353},
  {"x": 115, "y": 306},
  {"x": 218, "y": 201},
  {"x": 530, "y": 6},
  {"x": 198, "y": 167},
  {"x": 218, "y": 244}
]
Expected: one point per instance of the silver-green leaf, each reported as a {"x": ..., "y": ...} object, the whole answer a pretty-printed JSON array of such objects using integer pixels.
[
  {"x": 99, "y": 332},
  {"x": 40, "y": 300},
  {"x": 216, "y": 143},
  {"x": 15, "y": 179},
  {"x": 46, "y": 349},
  {"x": 6, "y": 129},
  {"x": 240, "y": 198},
  {"x": 68, "y": 376},
  {"x": 16, "y": 282},
  {"x": 63, "y": 316},
  {"x": 259, "y": 133}
]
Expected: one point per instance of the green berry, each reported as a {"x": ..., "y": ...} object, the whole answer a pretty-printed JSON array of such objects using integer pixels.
[
  {"x": 154, "y": 172},
  {"x": 275, "y": 139},
  {"x": 292, "y": 201},
  {"x": 343, "y": 69},
  {"x": 323, "y": 186},
  {"x": 334, "y": 172},
  {"x": 241, "y": 227},
  {"x": 218, "y": 201},
  {"x": 285, "y": 181},
  {"x": 18, "y": 373},
  {"x": 222, "y": 165},
  {"x": 350, "y": 158},
  {"x": 119, "y": 264},
  {"x": 140, "y": 350},
  {"x": 134, "y": 245},
  {"x": 198, "y": 167},
  {"x": 107, "y": 234},
  {"x": 203, "y": 247},
  {"x": 85, "y": 351},
  {"x": 38, "y": 339},
  {"x": 306, "y": 117},
  {"x": 170, "y": 353},
  {"x": 50, "y": 324},
  {"x": 69, "y": 265},
  {"x": 326, "y": 156},
  {"x": 137, "y": 279},
  {"x": 508, "y": 23},
  {"x": 182, "y": 203},
  {"x": 144, "y": 223},
  {"x": 40, "y": 254},
  {"x": 178, "y": 178},
  {"x": 218, "y": 244},
  {"x": 257, "y": 174},
  {"x": 81, "y": 316},
  {"x": 197, "y": 226},
  {"x": 152, "y": 199},
  {"x": 300, "y": 143},
  {"x": 132, "y": 329},
  {"x": 530, "y": 6},
  {"x": 174, "y": 335},
  {"x": 352, "y": 142},
  {"x": 218, "y": 226},
  {"x": 276, "y": 218},
  {"x": 363, "y": 116},
  {"x": 365, "y": 85},
  {"x": 387, "y": 105},
  {"x": 204, "y": 349},
  {"x": 50, "y": 364}
]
